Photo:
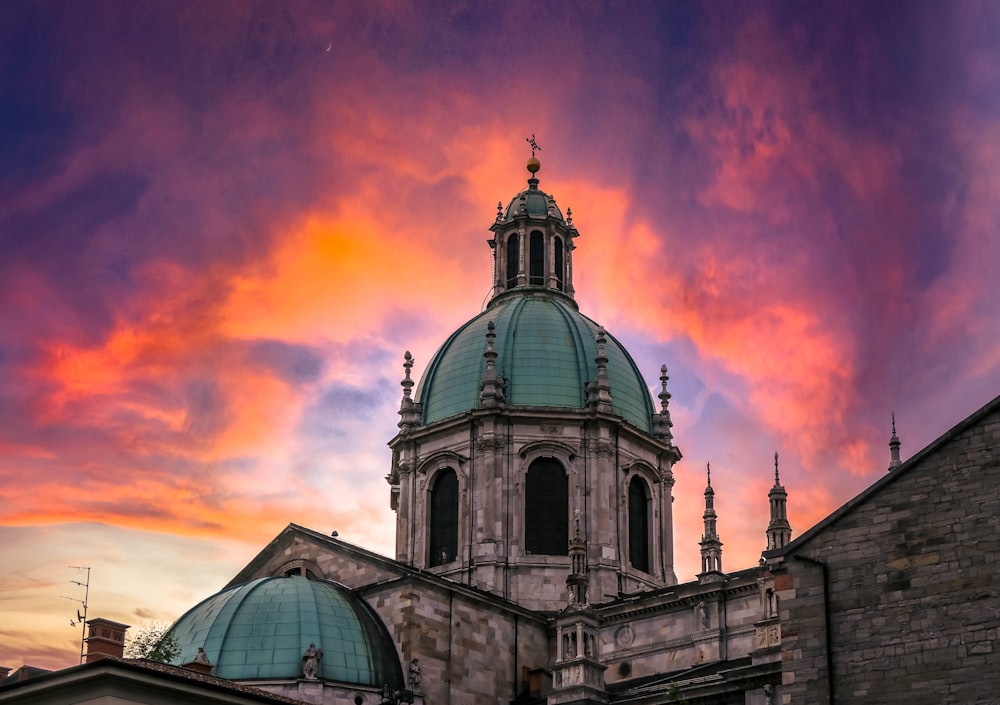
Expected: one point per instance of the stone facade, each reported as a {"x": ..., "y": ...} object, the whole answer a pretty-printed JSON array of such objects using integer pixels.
[
  {"x": 895, "y": 598},
  {"x": 491, "y": 451}
]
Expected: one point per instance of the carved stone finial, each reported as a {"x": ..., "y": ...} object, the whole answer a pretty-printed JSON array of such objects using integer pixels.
[
  {"x": 569, "y": 217},
  {"x": 708, "y": 473},
  {"x": 499, "y": 211},
  {"x": 777, "y": 481},
  {"x": 407, "y": 383},
  {"x": 661, "y": 421},
  {"x": 409, "y": 411},
  {"x": 491, "y": 391},
  {"x": 599, "y": 390}
]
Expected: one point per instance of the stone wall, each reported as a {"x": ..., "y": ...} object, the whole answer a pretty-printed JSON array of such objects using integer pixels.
[
  {"x": 692, "y": 625},
  {"x": 469, "y": 650},
  {"x": 899, "y": 595}
]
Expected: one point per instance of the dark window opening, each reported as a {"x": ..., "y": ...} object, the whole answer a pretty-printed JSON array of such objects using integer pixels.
[
  {"x": 513, "y": 259},
  {"x": 638, "y": 525},
  {"x": 444, "y": 518},
  {"x": 559, "y": 263},
  {"x": 546, "y": 509},
  {"x": 536, "y": 252}
]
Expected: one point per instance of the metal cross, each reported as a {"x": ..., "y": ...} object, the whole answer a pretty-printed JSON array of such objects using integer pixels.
[{"x": 534, "y": 145}]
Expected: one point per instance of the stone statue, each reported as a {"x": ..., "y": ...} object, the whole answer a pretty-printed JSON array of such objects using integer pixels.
[
  {"x": 202, "y": 658},
  {"x": 415, "y": 674},
  {"x": 310, "y": 662},
  {"x": 703, "y": 615}
]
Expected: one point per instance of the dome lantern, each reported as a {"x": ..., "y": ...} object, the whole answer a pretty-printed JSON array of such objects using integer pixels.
[{"x": 532, "y": 242}]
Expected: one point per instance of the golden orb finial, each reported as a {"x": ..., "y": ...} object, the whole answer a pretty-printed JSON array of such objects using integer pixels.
[{"x": 534, "y": 165}]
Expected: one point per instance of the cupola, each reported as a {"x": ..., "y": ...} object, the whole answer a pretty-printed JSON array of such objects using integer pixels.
[{"x": 533, "y": 242}]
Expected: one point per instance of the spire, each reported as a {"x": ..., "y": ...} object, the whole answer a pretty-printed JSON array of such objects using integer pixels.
[
  {"x": 779, "y": 531},
  {"x": 409, "y": 411},
  {"x": 577, "y": 670},
  {"x": 599, "y": 391},
  {"x": 711, "y": 546},
  {"x": 491, "y": 387},
  {"x": 577, "y": 580},
  {"x": 894, "y": 444},
  {"x": 661, "y": 421}
]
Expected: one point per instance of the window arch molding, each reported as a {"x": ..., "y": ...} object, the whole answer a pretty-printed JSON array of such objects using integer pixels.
[
  {"x": 648, "y": 472},
  {"x": 441, "y": 459},
  {"x": 300, "y": 566},
  {"x": 562, "y": 452}
]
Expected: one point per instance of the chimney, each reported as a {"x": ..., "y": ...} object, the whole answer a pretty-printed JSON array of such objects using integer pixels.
[{"x": 105, "y": 638}]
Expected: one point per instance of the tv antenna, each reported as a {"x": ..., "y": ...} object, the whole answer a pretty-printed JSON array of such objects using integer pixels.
[{"x": 81, "y": 619}]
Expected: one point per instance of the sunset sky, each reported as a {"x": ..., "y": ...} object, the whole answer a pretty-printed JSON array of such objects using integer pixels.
[{"x": 221, "y": 226}]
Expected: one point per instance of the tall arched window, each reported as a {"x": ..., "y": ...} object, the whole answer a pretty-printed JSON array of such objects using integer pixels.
[
  {"x": 513, "y": 259},
  {"x": 444, "y": 518},
  {"x": 558, "y": 264},
  {"x": 638, "y": 524},
  {"x": 536, "y": 259},
  {"x": 546, "y": 508}
]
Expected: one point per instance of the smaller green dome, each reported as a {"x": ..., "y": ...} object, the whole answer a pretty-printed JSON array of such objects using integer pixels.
[
  {"x": 532, "y": 201},
  {"x": 261, "y": 629}
]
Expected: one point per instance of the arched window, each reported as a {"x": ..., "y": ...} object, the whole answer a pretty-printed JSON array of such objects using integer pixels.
[
  {"x": 638, "y": 524},
  {"x": 536, "y": 259},
  {"x": 513, "y": 259},
  {"x": 559, "y": 263},
  {"x": 444, "y": 518},
  {"x": 546, "y": 509}
]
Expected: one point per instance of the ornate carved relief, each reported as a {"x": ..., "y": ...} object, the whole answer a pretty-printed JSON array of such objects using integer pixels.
[
  {"x": 603, "y": 448},
  {"x": 494, "y": 444},
  {"x": 624, "y": 636},
  {"x": 768, "y": 636}
]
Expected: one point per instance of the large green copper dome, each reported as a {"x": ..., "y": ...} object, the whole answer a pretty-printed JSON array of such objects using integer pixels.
[
  {"x": 260, "y": 630},
  {"x": 545, "y": 353}
]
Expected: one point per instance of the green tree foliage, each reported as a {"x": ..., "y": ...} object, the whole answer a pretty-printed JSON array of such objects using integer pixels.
[
  {"x": 153, "y": 642},
  {"x": 675, "y": 695}
]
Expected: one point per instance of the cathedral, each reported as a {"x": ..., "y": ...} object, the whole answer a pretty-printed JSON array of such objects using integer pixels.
[{"x": 532, "y": 483}]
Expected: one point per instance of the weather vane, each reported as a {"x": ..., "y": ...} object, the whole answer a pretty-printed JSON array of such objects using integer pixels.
[{"x": 534, "y": 145}]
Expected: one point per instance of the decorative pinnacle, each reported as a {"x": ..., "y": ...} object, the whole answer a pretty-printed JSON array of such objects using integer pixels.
[
  {"x": 407, "y": 383},
  {"x": 602, "y": 340},
  {"x": 499, "y": 210},
  {"x": 491, "y": 353},
  {"x": 664, "y": 394},
  {"x": 708, "y": 472},
  {"x": 894, "y": 445},
  {"x": 569, "y": 217},
  {"x": 776, "y": 480}
]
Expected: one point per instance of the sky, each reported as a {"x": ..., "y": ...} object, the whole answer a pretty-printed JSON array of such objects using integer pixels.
[{"x": 222, "y": 224}]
